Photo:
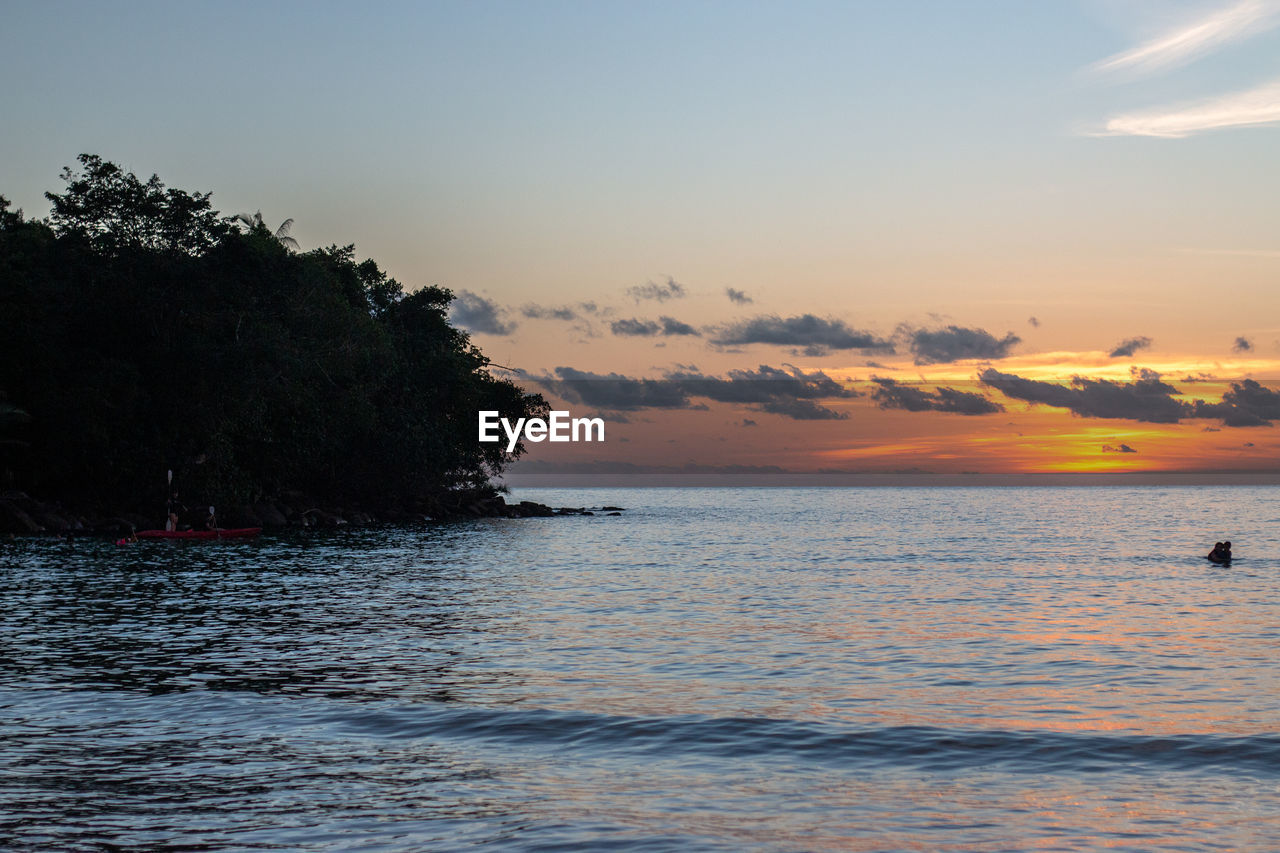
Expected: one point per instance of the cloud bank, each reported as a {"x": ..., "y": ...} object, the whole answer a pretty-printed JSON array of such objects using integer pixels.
[
  {"x": 1147, "y": 399},
  {"x": 1247, "y": 404},
  {"x": 613, "y": 391},
  {"x": 786, "y": 391}
]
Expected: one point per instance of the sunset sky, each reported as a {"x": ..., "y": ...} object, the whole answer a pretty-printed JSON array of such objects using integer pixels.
[{"x": 1002, "y": 237}]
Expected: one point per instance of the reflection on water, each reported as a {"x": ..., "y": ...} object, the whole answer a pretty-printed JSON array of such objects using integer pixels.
[{"x": 765, "y": 669}]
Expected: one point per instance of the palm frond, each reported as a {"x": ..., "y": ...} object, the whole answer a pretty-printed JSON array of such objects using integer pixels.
[{"x": 282, "y": 234}]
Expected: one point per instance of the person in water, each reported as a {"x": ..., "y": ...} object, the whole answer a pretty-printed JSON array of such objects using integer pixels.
[{"x": 1221, "y": 552}]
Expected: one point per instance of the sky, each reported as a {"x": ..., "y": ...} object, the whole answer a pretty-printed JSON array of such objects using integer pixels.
[{"x": 861, "y": 237}]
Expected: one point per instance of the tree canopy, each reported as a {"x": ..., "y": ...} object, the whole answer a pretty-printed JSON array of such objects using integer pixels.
[{"x": 140, "y": 331}]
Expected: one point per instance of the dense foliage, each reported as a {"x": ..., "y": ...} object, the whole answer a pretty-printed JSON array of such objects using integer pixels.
[{"x": 141, "y": 332}]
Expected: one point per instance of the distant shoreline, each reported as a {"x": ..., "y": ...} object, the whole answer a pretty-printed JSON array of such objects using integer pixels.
[{"x": 789, "y": 479}]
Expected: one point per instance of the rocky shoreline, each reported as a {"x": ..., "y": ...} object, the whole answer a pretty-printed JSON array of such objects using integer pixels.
[{"x": 23, "y": 515}]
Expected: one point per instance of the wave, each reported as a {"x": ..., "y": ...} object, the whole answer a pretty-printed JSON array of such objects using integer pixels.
[{"x": 913, "y": 747}]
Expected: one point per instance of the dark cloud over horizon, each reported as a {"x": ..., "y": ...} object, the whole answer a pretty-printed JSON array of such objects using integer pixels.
[
  {"x": 892, "y": 394},
  {"x": 790, "y": 392},
  {"x": 1124, "y": 448},
  {"x": 1247, "y": 404},
  {"x": 1242, "y": 344},
  {"x": 613, "y": 391},
  {"x": 956, "y": 343},
  {"x": 813, "y": 335},
  {"x": 1128, "y": 347},
  {"x": 738, "y": 297},
  {"x": 1147, "y": 399},
  {"x": 473, "y": 312}
]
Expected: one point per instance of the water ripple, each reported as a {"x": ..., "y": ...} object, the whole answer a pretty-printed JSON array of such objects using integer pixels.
[{"x": 862, "y": 669}]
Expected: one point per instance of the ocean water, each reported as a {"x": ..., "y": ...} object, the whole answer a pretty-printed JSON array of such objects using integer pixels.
[{"x": 733, "y": 669}]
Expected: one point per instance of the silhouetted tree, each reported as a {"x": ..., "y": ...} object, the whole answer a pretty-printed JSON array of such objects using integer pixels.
[
  {"x": 115, "y": 211},
  {"x": 142, "y": 332}
]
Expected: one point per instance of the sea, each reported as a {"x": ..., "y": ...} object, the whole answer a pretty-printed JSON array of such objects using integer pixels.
[{"x": 753, "y": 669}]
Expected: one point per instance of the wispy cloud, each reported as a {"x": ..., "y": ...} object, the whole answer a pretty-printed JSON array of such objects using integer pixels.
[
  {"x": 1126, "y": 348},
  {"x": 1253, "y": 108},
  {"x": 670, "y": 289},
  {"x": 1184, "y": 44}
]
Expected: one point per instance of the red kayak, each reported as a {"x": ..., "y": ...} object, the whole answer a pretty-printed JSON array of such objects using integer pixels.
[{"x": 220, "y": 533}]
